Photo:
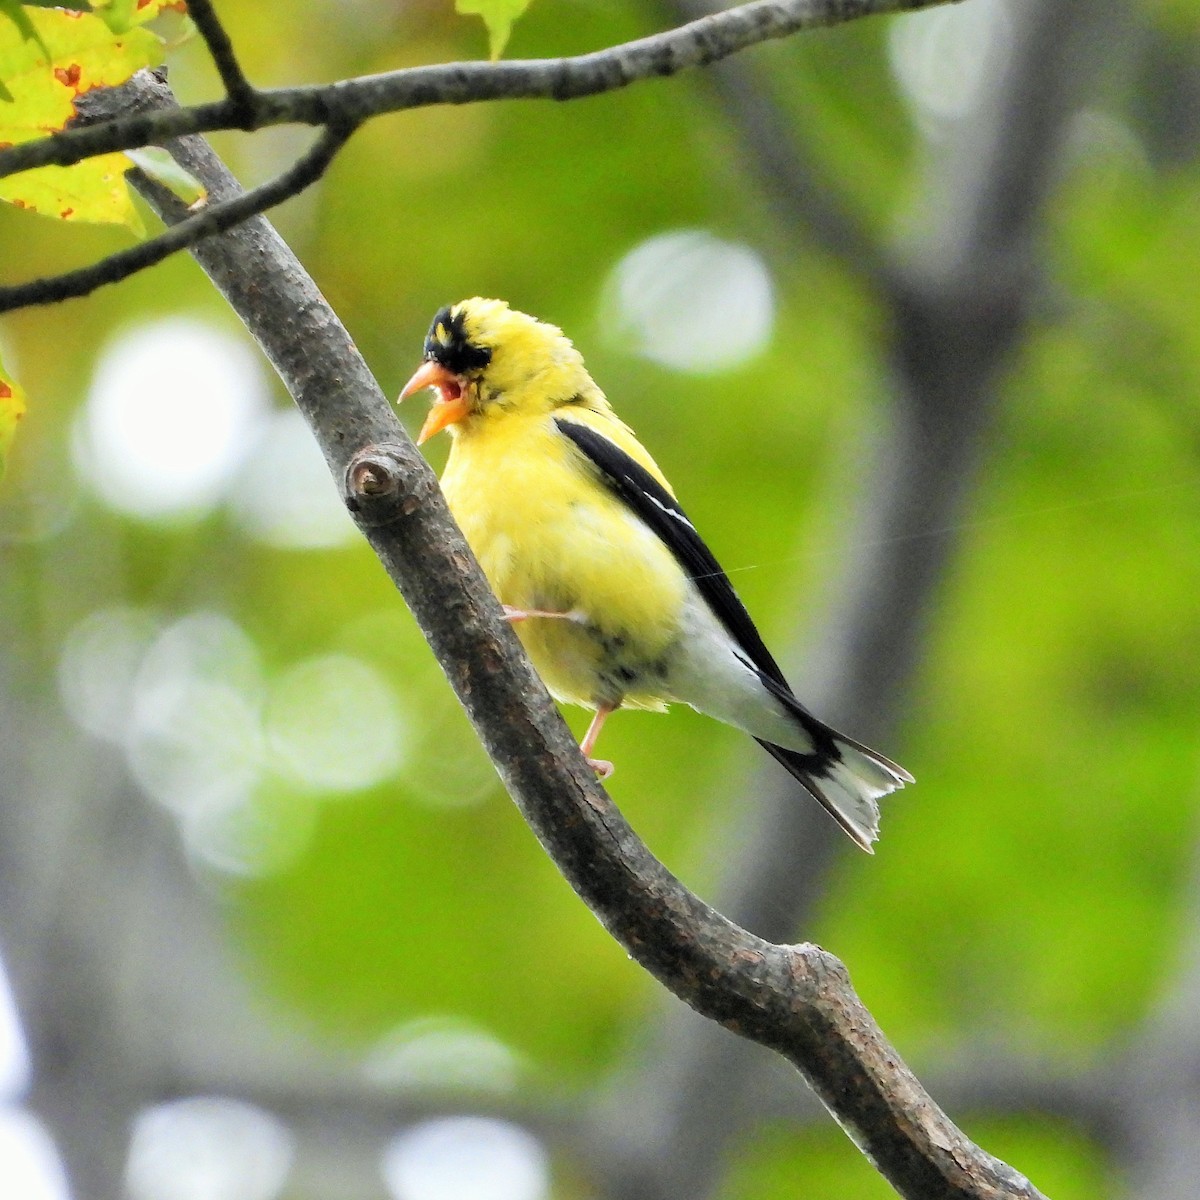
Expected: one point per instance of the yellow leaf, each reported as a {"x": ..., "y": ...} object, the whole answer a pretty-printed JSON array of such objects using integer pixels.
[
  {"x": 12, "y": 409},
  {"x": 83, "y": 53},
  {"x": 93, "y": 190}
]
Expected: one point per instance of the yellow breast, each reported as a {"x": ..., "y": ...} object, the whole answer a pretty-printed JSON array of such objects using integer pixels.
[{"x": 550, "y": 536}]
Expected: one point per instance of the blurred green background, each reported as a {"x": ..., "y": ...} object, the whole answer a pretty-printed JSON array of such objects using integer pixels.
[{"x": 176, "y": 577}]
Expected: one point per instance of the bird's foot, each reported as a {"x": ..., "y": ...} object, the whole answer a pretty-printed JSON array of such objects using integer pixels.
[
  {"x": 602, "y": 768},
  {"x": 514, "y": 615}
]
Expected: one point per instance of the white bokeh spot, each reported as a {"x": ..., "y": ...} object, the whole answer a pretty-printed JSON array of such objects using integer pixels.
[
  {"x": 466, "y": 1158},
  {"x": 30, "y": 1168},
  {"x": 99, "y": 665},
  {"x": 944, "y": 58},
  {"x": 173, "y": 407},
  {"x": 691, "y": 302},
  {"x": 194, "y": 739},
  {"x": 14, "y": 1053},
  {"x": 208, "y": 1148},
  {"x": 239, "y": 761}
]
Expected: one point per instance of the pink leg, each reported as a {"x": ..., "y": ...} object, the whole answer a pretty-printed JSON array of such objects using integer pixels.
[
  {"x": 513, "y": 615},
  {"x": 602, "y": 768}
]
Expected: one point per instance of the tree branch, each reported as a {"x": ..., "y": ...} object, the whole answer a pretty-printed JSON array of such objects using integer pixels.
[
  {"x": 215, "y": 219},
  {"x": 351, "y": 101},
  {"x": 220, "y": 49},
  {"x": 796, "y": 1000}
]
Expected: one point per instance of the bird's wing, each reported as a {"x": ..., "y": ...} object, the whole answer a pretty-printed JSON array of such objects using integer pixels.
[
  {"x": 845, "y": 776},
  {"x": 660, "y": 511}
]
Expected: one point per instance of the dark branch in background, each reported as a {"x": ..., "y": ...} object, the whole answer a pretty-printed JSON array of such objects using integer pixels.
[
  {"x": 215, "y": 219},
  {"x": 220, "y": 49},
  {"x": 805, "y": 198},
  {"x": 796, "y": 1000},
  {"x": 341, "y": 107}
]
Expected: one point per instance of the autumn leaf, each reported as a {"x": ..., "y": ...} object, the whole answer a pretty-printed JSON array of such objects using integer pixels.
[
  {"x": 12, "y": 409},
  {"x": 93, "y": 190},
  {"x": 498, "y": 16},
  {"x": 72, "y": 53}
]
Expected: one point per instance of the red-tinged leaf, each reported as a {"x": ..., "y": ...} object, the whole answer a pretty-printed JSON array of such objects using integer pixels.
[
  {"x": 93, "y": 190},
  {"x": 15, "y": 12},
  {"x": 147, "y": 10},
  {"x": 75, "y": 52},
  {"x": 12, "y": 409}
]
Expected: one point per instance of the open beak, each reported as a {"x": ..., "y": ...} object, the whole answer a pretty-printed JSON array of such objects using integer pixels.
[{"x": 451, "y": 404}]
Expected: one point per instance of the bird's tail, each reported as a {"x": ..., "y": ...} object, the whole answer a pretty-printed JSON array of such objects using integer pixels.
[{"x": 847, "y": 779}]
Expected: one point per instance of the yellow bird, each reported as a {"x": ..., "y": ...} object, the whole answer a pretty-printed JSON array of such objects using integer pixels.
[{"x": 616, "y": 598}]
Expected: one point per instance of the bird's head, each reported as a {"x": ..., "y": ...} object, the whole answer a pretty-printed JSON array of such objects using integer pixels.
[{"x": 483, "y": 357}]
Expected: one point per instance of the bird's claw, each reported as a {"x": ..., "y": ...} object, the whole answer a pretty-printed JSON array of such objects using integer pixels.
[{"x": 602, "y": 768}]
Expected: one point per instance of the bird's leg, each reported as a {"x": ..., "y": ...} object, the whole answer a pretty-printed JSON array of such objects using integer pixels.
[
  {"x": 513, "y": 615},
  {"x": 602, "y": 768}
]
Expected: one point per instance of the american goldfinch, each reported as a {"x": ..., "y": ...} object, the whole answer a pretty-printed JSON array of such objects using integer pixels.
[{"x": 614, "y": 595}]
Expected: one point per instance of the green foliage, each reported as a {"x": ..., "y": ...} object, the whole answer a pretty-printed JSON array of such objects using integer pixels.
[
  {"x": 498, "y": 16},
  {"x": 119, "y": 15},
  {"x": 14, "y": 10}
]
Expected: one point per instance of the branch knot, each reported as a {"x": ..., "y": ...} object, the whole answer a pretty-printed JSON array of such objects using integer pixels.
[{"x": 382, "y": 484}]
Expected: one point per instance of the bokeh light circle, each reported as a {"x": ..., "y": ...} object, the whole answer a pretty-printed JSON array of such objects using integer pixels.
[
  {"x": 466, "y": 1158},
  {"x": 690, "y": 301},
  {"x": 172, "y": 409}
]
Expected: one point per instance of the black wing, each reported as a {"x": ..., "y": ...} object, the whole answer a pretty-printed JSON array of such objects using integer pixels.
[{"x": 659, "y": 510}]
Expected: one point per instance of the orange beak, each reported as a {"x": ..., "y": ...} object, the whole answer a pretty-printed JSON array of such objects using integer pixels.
[{"x": 451, "y": 405}]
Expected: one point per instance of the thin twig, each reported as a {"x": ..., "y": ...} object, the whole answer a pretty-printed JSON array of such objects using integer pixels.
[
  {"x": 695, "y": 44},
  {"x": 115, "y": 267},
  {"x": 237, "y": 86}
]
